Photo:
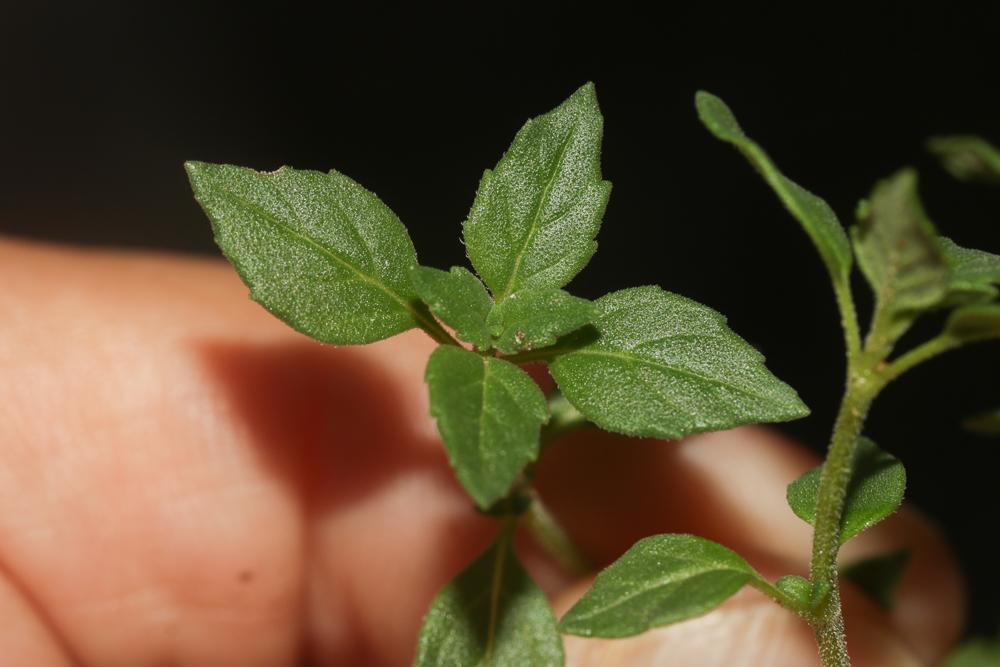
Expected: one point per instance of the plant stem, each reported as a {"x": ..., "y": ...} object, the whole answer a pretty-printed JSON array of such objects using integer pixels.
[
  {"x": 848, "y": 317},
  {"x": 432, "y": 327},
  {"x": 836, "y": 475},
  {"x": 918, "y": 355},
  {"x": 553, "y": 538}
]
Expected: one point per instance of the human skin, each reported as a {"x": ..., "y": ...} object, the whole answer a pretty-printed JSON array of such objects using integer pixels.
[{"x": 185, "y": 481}]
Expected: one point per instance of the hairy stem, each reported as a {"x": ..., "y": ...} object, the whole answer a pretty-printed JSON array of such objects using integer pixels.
[
  {"x": 551, "y": 536},
  {"x": 918, "y": 355},
  {"x": 836, "y": 475},
  {"x": 848, "y": 318}
]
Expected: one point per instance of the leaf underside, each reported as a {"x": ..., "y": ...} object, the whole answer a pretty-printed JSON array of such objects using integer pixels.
[
  {"x": 535, "y": 216},
  {"x": 662, "y": 365},
  {"x": 662, "y": 579},
  {"x": 813, "y": 214},
  {"x": 490, "y": 615},
  {"x": 899, "y": 252},
  {"x": 489, "y": 413},
  {"x": 317, "y": 250},
  {"x": 878, "y": 481}
]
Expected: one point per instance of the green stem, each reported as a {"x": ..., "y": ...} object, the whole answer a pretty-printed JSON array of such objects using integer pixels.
[
  {"x": 918, "y": 355},
  {"x": 553, "y": 538},
  {"x": 848, "y": 317},
  {"x": 836, "y": 475}
]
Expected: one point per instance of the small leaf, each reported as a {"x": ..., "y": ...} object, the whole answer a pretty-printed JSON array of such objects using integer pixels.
[
  {"x": 662, "y": 579},
  {"x": 798, "y": 588},
  {"x": 317, "y": 250},
  {"x": 987, "y": 423},
  {"x": 975, "y": 322},
  {"x": 878, "y": 576},
  {"x": 489, "y": 413},
  {"x": 976, "y": 653},
  {"x": 968, "y": 158},
  {"x": 531, "y": 319},
  {"x": 665, "y": 366},
  {"x": 815, "y": 215},
  {"x": 878, "y": 481},
  {"x": 899, "y": 253},
  {"x": 490, "y": 615},
  {"x": 535, "y": 216},
  {"x": 973, "y": 273},
  {"x": 458, "y": 299}
]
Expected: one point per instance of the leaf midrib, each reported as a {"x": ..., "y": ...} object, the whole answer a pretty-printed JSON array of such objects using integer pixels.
[
  {"x": 284, "y": 227},
  {"x": 536, "y": 217}
]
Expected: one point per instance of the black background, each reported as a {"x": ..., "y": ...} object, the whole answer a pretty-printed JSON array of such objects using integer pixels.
[{"x": 100, "y": 105}]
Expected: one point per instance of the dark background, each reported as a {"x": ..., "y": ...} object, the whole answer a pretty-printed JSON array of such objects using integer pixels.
[{"x": 100, "y": 105}]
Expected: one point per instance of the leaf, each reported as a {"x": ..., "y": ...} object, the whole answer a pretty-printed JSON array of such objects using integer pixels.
[
  {"x": 535, "y": 216},
  {"x": 878, "y": 481},
  {"x": 968, "y": 158},
  {"x": 815, "y": 215},
  {"x": 490, "y": 615},
  {"x": 879, "y": 575},
  {"x": 987, "y": 423},
  {"x": 976, "y": 653},
  {"x": 662, "y": 579},
  {"x": 531, "y": 319},
  {"x": 899, "y": 253},
  {"x": 975, "y": 322},
  {"x": 317, "y": 250},
  {"x": 798, "y": 588},
  {"x": 665, "y": 366},
  {"x": 489, "y": 413},
  {"x": 458, "y": 299},
  {"x": 973, "y": 273}
]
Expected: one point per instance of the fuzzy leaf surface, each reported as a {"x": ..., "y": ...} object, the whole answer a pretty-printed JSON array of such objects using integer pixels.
[
  {"x": 531, "y": 319},
  {"x": 975, "y": 322},
  {"x": 899, "y": 253},
  {"x": 458, "y": 299},
  {"x": 973, "y": 273},
  {"x": 662, "y": 579},
  {"x": 317, "y": 250},
  {"x": 968, "y": 158},
  {"x": 987, "y": 423},
  {"x": 535, "y": 216},
  {"x": 665, "y": 366},
  {"x": 798, "y": 588},
  {"x": 489, "y": 413},
  {"x": 878, "y": 481},
  {"x": 813, "y": 214},
  {"x": 878, "y": 576},
  {"x": 490, "y": 615}
]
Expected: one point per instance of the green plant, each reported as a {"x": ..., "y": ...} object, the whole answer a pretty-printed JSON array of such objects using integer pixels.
[{"x": 327, "y": 257}]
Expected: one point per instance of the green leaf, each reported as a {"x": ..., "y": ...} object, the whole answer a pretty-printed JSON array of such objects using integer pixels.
[
  {"x": 531, "y": 319},
  {"x": 973, "y": 273},
  {"x": 535, "y": 216},
  {"x": 662, "y": 579},
  {"x": 489, "y": 413},
  {"x": 975, "y": 322},
  {"x": 987, "y": 423},
  {"x": 968, "y": 158},
  {"x": 976, "y": 653},
  {"x": 665, "y": 366},
  {"x": 878, "y": 481},
  {"x": 878, "y": 576},
  {"x": 317, "y": 250},
  {"x": 458, "y": 299},
  {"x": 900, "y": 255},
  {"x": 490, "y": 615},
  {"x": 798, "y": 588},
  {"x": 815, "y": 215}
]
